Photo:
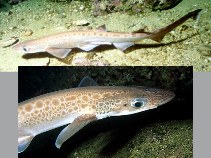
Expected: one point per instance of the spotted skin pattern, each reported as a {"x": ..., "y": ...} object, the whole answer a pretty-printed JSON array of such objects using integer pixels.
[
  {"x": 97, "y": 100},
  {"x": 80, "y": 106}
]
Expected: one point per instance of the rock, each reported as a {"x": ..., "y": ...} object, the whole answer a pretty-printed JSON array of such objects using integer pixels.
[
  {"x": 138, "y": 6},
  {"x": 81, "y": 23},
  {"x": 103, "y": 5},
  {"x": 12, "y": 28},
  {"x": 81, "y": 7},
  {"x": 14, "y": 1},
  {"x": 68, "y": 25},
  {"x": 164, "y": 4},
  {"x": 28, "y": 32}
]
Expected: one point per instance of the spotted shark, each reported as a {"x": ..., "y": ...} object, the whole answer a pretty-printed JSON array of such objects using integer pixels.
[
  {"x": 61, "y": 44},
  {"x": 77, "y": 107}
]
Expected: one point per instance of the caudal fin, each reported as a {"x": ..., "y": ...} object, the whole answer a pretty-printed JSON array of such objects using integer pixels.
[{"x": 160, "y": 33}]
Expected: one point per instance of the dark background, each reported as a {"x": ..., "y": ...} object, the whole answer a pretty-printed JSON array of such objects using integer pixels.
[{"x": 34, "y": 81}]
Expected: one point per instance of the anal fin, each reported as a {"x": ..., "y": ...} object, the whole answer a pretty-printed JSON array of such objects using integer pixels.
[{"x": 74, "y": 127}]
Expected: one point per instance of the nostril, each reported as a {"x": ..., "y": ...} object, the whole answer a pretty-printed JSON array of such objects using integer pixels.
[{"x": 24, "y": 49}]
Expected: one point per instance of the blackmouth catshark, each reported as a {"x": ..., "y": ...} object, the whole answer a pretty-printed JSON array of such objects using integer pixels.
[
  {"x": 60, "y": 44},
  {"x": 79, "y": 106}
]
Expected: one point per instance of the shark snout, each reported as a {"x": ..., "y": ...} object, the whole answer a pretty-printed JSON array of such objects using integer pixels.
[{"x": 166, "y": 97}]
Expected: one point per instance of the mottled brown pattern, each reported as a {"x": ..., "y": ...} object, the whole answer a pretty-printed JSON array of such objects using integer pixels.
[
  {"x": 28, "y": 108},
  {"x": 39, "y": 104},
  {"x": 95, "y": 100},
  {"x": 70, "y": 98},
  {"x": 85, "y": 98},
  {"x": 96, "y": 96},
  {"x": 55, "y": 102}
]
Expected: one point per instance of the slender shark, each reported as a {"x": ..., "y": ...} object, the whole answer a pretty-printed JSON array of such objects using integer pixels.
[
  {"x": 77, "y": 107},
  {"x": 61, "y": 44}
]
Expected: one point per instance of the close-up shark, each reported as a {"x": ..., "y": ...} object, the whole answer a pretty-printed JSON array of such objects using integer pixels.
[{"x": 77, "y": 107}]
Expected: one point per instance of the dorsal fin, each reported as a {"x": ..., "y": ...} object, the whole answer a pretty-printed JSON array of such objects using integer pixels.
[
  {"x": 101, "y": 28},
  {"x": 87, "y": 81}
]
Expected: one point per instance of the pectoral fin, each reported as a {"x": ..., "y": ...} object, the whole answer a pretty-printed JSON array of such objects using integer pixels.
[
  {"x": 74, "y": 127},
  {"x": 123, "y": 46},
  {"x": 24, "y": 139},
  {"x": 58, "y": 52}
]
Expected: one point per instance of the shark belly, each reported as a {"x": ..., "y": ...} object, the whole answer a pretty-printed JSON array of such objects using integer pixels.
[
  {"x": 26, "y": 134},
  {"x": 52, "y": 124}
]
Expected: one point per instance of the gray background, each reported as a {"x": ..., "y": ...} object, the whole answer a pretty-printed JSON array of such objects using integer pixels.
[
  {"x": 8, "y": 115},
  {"x": 201, "y": 115}
]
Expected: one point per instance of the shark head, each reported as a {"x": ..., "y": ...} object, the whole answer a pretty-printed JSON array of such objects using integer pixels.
[
  {"x": 29, "y": 47},
  {"x": 138, "y": 99}
]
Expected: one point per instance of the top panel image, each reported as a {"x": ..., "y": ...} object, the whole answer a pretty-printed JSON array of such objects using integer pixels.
[{"x": 105, "y": 33}]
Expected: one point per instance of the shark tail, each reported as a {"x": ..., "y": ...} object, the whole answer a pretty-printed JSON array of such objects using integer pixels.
[{"x": 160, "y": 33}]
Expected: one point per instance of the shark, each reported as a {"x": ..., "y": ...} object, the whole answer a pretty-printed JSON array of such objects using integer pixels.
[
  {"x": 77, "y": 107},
  {"x": 61, "y": 44}
]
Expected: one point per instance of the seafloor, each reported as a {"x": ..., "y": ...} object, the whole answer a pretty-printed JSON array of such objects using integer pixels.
[{"x": 183, "y": 46}]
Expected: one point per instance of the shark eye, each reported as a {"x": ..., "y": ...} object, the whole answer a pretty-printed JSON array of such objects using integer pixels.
[{"x": 138, "y": 102}]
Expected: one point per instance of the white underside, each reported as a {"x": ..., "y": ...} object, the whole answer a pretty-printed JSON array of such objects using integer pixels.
[
  {"x": 122, "y": 113},
  {"x": 49, "y": 125}
]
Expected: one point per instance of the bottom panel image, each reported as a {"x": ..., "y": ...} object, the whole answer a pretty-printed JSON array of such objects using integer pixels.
[{"x": 76, "y": 112}]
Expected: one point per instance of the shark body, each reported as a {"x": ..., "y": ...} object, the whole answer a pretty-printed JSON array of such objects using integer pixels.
[
  {"x": 79, "y": 106},
  {"x": 61, "y": 44}
]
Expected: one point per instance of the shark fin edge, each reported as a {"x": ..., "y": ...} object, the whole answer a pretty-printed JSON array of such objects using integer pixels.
[
  {"x": 88, "y": 47},
  {"x": 23, "y": 142},
  {"x": 87, "y": 82},
  {"x": 58, "y": 52},
  {"x": 123, "y": 46},
  {"x": 73, "y": 128},
  {"x": 157, "y": 37}
]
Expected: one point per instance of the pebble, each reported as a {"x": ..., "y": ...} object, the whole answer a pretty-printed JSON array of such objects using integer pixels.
[
  {"x": 67, "y": 25},
  {"x": 28, "y": 32},
  {"x": 81, "y": 8},
  {"x": 12, "y": 28},
  {"x": 8, "y": 42},
  {"x": 81, "y": 23}
]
